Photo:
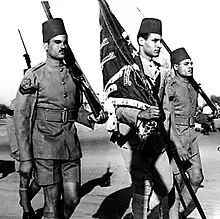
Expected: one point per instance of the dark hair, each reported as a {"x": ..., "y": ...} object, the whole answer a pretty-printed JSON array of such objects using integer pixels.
[{"x": 145, "y": 36}]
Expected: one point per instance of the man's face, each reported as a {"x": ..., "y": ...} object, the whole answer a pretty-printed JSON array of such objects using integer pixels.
[
  {"x": 185, "y": 68},
  {"x": 152, "y": 45},
  {"x": 57, "y": 47}
]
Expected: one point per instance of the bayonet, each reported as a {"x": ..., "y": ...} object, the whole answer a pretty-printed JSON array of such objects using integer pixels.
[{"x": 26, "y": 56}]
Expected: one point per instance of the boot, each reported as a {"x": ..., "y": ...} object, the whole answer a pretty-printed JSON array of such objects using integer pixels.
[
  {"x": 182, "y": 216},
  {"x": 28, "y": 215},
  {"x": 105, "y": 180},
  {"x": 39, "y": 213}
]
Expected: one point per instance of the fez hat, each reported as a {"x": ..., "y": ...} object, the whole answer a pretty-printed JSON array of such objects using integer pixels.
[
  {"x": 179, "y": 55},
  {"x": 52, "y": 28},
  {"x": 150, "y": 25}
]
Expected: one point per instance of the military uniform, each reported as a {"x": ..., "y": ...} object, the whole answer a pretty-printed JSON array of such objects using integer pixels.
[
  {"x": 150, "y": 170},
  {"x": 48, "y": 105},
  {"x": 182, "y": 104}
]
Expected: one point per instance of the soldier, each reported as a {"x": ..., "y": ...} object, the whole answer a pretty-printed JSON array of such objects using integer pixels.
[
  {"x": 182, "y": 105},
  {"x": 151, "y": 173},
  {"x": 47, "y": 106}
]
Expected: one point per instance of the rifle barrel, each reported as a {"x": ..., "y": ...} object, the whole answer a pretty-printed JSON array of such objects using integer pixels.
[
  {"x": 22, "y": 41},
  {"x": 26, "y": 56},
  {"x": 46, "y": 7}
]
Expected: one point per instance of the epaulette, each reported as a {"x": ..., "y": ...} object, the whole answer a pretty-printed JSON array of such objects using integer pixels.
[
  {"x": 38, "y": 66},
  {"x": 28, "y": 85}
]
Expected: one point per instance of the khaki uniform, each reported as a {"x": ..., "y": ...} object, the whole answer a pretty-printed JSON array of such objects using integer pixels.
[
  {"x": 182, "y": 103},
  {"x": 48, "y": 104},
  {"x": 12, "y": 137},
  {"x": 11, "y": 133}
]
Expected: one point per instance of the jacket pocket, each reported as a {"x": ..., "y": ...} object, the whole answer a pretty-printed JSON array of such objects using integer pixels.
[{"x": 49, "y": 128}]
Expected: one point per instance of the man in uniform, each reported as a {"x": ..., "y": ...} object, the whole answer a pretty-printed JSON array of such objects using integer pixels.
[
  {"x": 182, "y": 105},
  {"x": 151, "y": 173},
  {"x": 47, "y": 106}
]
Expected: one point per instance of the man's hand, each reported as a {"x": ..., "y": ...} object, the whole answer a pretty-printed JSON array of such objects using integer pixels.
[
  {"x": 151, "y": 113},
  {"x": 26, "y": 168},
  {"x": 102, "y": 117},
  {"x": 183, "y": 153}
]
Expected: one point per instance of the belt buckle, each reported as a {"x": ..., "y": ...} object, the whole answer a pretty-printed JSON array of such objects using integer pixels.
[{"x": 64, "y": 115}]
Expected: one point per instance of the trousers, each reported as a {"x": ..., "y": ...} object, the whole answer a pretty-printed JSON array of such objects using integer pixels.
[{"x": 151, "y": 180}]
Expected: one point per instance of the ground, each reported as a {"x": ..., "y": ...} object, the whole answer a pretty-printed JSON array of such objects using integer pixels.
[{"x": 99, "y": 153}]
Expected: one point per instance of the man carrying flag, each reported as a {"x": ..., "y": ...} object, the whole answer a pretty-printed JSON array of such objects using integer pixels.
[{"x": 133, "y": 84}]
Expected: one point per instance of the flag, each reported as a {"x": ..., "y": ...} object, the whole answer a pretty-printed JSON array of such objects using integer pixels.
[{"x": 123, "y": 77}]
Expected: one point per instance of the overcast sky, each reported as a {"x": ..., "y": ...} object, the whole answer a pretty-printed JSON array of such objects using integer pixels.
[{"x": 190, "y": 23}]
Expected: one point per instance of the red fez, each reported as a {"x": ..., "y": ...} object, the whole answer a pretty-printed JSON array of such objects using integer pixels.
[
  {"x": 52, "y": 28},
  {"x": 150, "y": 25},
  {"x": 179, "y": 55}
]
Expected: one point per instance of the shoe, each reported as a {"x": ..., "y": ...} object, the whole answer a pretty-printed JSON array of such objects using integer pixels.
[
  {"x": 105, "y": 180},
  {"x": 39, "y": 213},
  {"x": 28, "y": 215},
  {"x": 96, "y": 215},
  {"x": 182, "y": 216}
]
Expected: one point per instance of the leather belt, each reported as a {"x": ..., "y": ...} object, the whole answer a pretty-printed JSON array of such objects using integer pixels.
[
  {"x": 185, "y": 121},
  {"x": 56, "y": 115}
]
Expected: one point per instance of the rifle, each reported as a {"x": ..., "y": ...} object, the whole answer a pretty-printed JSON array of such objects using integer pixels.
[
  {"x": 71, "y": 62},
  {"x": 26, "y": 56}
]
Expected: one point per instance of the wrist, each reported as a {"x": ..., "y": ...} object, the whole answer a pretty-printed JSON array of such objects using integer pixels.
[{"x": 140, "y": 116}]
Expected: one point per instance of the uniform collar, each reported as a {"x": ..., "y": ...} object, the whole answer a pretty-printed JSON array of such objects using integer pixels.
[
  {"x": 185, "y": 80},
  {"x": 150, "y": 68},
  {"x": 54, "y": 62}
]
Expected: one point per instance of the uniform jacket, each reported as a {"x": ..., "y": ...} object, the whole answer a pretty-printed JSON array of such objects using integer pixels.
[
  {"x": 11, "y": 133},
  {"x": 182, "y": 104},
  {"x": 128, "y": 116},
  {"x": 46, "y": 89}
]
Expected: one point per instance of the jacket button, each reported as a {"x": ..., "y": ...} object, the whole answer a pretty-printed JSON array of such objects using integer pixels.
[
  {"x": 63, "y": 83},
  {"x": 65, "y": 95}
]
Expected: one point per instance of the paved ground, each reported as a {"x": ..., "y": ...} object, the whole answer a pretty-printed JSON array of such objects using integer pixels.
[{"x": 98, "y": 154}]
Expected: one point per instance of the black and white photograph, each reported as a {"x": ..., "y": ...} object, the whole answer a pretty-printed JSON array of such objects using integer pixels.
[{"x": 109, "y": 109}]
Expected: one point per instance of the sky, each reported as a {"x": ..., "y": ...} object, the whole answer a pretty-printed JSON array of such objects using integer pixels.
[{"x": 192, "y": 24}]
